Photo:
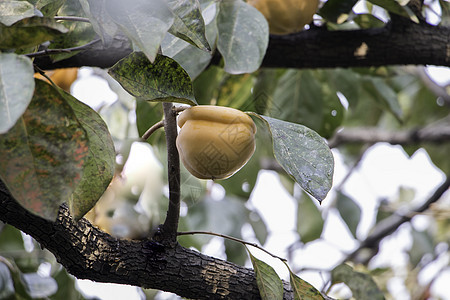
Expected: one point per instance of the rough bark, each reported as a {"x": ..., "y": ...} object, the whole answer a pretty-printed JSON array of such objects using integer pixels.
[
  {"x": 89, "y": 253},
  {"x": 398, "y": 43}
]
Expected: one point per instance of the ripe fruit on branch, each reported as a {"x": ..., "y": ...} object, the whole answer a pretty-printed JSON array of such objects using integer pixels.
[
  {"x": 61, "y": 77},
  {"x": 215, "y": 141},
  {"x": 286, "y": 16}
]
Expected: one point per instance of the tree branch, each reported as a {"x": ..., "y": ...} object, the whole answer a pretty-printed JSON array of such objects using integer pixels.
[
  {"x": 439, "y": 133},
  {"x": 88, "y": 253},
  {"x": 71, "y": 18},
  {"x": 390, "y": 224},
  {"x": 152, "y": 129},
  {"x": 170, "y": 226},
  {"x": 47, "y": 52},
  {"x": 401, "y": 43}
]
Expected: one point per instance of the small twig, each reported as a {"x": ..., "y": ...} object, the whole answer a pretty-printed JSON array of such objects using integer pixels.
[
  {"x": 152, "y": 129},
  {"x": 232, "y": 239},
  {"x": 71, "y": 18},
  {"x": 353, "y": 167},
  {"x": 179, "y": 109},
  {"x": 7, "y": 263},
  {"x": 170, "y": 226},
  {"x": 67, "y": 50},
  {"x": 39, "y": 70}
]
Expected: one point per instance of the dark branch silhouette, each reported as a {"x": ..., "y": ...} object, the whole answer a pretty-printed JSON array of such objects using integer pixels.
[{"x": 398, "y": 43}]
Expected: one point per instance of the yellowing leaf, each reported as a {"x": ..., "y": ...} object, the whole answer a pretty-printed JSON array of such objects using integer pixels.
[
  {"x": 43, "y": 155},
  {"x": 303, "y": 290},
  {"x": 269, "y": 284},
  {"x": 98, "y": 170}
]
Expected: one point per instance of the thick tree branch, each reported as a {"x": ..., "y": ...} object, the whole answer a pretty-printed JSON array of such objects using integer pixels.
[
  {"x": 89, "y": 253},
  {"x": 439, "y": 133},
  {"x": 47, "y": 52},
  {"x": 170, "y": 227},
  {"x": 397, "y": 43},
  {"x": 404, "y": 43}
]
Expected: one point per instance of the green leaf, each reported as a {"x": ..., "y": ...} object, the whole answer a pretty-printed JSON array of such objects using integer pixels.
[
  {"x": 13, "y": 11},
  {"x": 333, "y": 9},
  {"x": 11, "y": 240},
  {"x": 16, "y": 88},
  {"x": 80, "y": 33},
  {"x": 101, "y": 21},
  {"x": 303, "y": 290},
  {"x": 394, "y": 7},
  {"x": 66, "y": 287},
  {"x": 234, "y": 90},
  {"x": 422, "y": 244},
  {"x": 303, "y": 154},
  {"x": 38, "y": 286},
  {"x": 207, "y": 84},
  {"x": 49, "y": 8},
  {"x": 309, "y": 219},
  {"x": 99, "y": 166},
  {"x": 445, "y": 17},
  {"x": 362, "y": 285},
  {"x": 147, "y": 114},
  {"x": 191, "y": 58},
  {"x": 20, "y": 288},
  {"x": 259, "y": 227},
  {"x": 308, "y": 98},
  {"x": 269, "y": 284},
  {"x": 43, "y": 155},
  {"x": 188, "y": 23},
  {"x": 243, "y": 36},
  {"x": 164, "y": 80},
  {"x": 226, "y": 216},
  {"x": 366, "y": 21},
  {"x": 385, "y": 95},
  {"x": 347, "y": 82},
  {"x": 350, "y": 211},
  {"x": 144, "y": 22},
  {"x": 29, "y": 32},
  {"x": 6, "y": 283}
]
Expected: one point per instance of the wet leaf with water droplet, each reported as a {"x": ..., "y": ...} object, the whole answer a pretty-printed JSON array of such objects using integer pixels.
[{"x": 303, "y": 154}]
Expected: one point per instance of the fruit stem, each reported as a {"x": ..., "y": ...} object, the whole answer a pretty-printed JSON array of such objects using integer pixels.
[
  {"x": 170, "y": 226},
  {"x": 152, "y": 129}
]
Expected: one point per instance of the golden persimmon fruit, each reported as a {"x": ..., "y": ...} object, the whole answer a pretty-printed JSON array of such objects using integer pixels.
[
  {"x": 61, "y": 77},
  {"x": 286, "y": 16},
  {"x": 214, "y": 142}
]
